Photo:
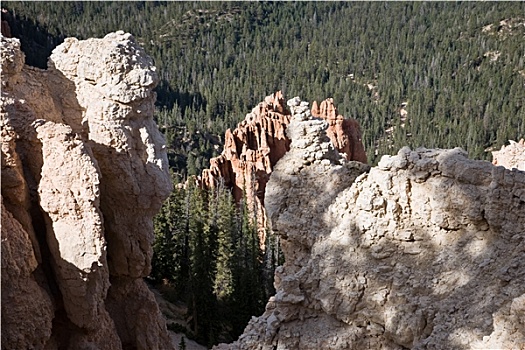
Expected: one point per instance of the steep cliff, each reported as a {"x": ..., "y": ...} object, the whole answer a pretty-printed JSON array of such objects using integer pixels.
[
  {"x": 424, "y": 251},
  {"x": 84, "y": 170}
]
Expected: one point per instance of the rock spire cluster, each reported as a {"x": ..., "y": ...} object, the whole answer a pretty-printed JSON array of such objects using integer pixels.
[
  {"x": 84, "y": 170},
  {"x": 250, "y": 152},
  {"x": 253, "y": 148},
  {"x": 345, "y": 133}
]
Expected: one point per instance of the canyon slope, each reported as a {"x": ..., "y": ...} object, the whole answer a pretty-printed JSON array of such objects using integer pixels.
[
  {"x": 84, "y": 170},
  {"x": 423, "y": 251}
]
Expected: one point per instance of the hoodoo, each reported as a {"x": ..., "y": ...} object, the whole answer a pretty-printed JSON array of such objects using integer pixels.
[
  {"x": 84, "y": 170},
  {"x": 253, "y": 148}
]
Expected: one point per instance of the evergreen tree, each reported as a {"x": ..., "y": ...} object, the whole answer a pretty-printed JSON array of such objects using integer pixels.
[{"x": 182, "y": 343}]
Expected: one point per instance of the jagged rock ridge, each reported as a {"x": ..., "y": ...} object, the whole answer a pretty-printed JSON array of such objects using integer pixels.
[
  {"x": 84, "y": 170},
  {"x": 424, "y": 251},
  {"x": 253, "y": 148},
  {"x": 250, "y": 151}
]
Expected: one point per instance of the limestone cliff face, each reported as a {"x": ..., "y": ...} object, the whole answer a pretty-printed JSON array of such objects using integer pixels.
[
  {"x": 424, "y": 251},
  {"x": 84, "y": 170}
]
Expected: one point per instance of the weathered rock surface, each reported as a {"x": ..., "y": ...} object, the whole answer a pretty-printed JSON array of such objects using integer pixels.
[
  {"x": 84, "y": 170},
  {"x": 424, "y": 251},
  {"x": 511, "y": 156}
]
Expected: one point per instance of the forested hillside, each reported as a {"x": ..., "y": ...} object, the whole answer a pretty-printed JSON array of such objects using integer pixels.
[
  {"x": 432, "y": 74},
  {"x": 459, "y": 67}
]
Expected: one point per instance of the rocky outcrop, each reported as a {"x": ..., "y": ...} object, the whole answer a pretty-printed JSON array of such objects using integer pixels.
[
  {"x": 511, "y": 156},
  {"x": 345, "y": 133},
  {"x": 424, "y": 251},
  {"x": 251, "y": 151},
  {"x": 84, "y": 170},
  {"x": 259, "y": 141}
]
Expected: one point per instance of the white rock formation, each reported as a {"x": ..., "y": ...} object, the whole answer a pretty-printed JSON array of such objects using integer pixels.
[
  {"x": 84, "y": 170},
  {"x": 424, "y": 251},
  {"x": 511, "y": 156}
]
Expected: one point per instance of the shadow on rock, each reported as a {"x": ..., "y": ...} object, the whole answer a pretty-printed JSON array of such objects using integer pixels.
[{"x": 424, "y": 251}]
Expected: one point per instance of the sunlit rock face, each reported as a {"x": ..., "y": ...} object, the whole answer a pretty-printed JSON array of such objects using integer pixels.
[
  {"x": 250, "y": 153},
  {"x": 424, "y": 251},
  {"x": 84, "y": 170},
  {"x": 511, "y": 156}
]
